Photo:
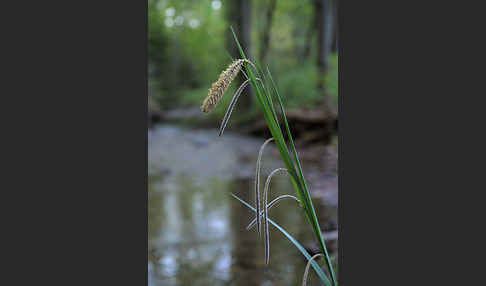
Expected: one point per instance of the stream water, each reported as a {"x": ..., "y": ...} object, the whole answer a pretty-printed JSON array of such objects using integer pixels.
[{"x": 197, "y": 231}]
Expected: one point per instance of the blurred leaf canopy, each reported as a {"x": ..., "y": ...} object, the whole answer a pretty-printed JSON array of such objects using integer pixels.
[{"x": 187, "y": 49}]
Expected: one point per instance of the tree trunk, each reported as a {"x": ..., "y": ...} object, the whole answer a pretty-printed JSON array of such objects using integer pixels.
[
  {"x": 334, "y": 47},
  {"x": 308, "y": 36},
  {"x": 238, "y": 15},
  {"x": 265, "y": 46},
  {"x": 324, "y": 21},
  {"x": 324, "y": 37}
]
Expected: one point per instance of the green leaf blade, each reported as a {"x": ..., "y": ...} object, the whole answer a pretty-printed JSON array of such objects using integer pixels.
[{"x": 304, "y": 252}]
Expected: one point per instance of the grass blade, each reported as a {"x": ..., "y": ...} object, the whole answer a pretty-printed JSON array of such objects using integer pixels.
[
  {"x": 302, "y": 250},
  {"x": 270, "y": 205},
  {"x": 271, "y": 120}
]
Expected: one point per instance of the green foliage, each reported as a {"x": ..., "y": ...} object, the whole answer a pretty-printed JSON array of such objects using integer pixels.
[
  {"x": 157, "y": 38},
  {"x": 299, "y": 86},
  {"x": 184, "y": 48},
  {"x": 331, "y": 79},
  {"x": 184, "y": 59}
]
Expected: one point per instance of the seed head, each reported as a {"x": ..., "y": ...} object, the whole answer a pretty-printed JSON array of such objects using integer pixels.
[{"x": 218, "y": 88}]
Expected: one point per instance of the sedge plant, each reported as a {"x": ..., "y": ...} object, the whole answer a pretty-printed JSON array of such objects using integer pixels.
[{"x": 266, "y": 91}]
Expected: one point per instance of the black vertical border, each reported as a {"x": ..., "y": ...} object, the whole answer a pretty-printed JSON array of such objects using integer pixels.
[
  {"x": 75, "y": 189},
  {"x": 340, "y": 15},
  {"x": 398, "y": 119}
]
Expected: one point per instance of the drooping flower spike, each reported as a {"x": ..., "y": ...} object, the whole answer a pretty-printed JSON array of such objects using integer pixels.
[
  {"x": 219, "y": 87},
  {"x": 257, "y": 183},
  {"x": 306, "y": 272},
  {"x": 266, "y": 234}
]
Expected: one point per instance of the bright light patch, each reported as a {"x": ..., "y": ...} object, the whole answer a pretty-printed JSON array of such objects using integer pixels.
[
  {"x": 216, "y": 4},
  {"x": 160, "y": 5},
  {"x": 194, "y": 23},
  {"x": 179, "y": 20},
  {"x": 169, "y": 12}
]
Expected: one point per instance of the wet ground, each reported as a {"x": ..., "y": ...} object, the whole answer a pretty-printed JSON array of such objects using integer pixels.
[{"x": 197, "y": 232}]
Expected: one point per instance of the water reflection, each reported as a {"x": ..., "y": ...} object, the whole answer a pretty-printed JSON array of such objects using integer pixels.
[{"x": 197, "y": 231}]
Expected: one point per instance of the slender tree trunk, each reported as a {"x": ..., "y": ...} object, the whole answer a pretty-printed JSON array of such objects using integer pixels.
[
  {"x": 334, "y": 47},
  {"x": 324, "y": 37},
  {"x": 309, "y": 35},
  {"x": 324, "y": 20},
  {"x": 265, "y": 46},
  {"x": 238, "y": 15}
]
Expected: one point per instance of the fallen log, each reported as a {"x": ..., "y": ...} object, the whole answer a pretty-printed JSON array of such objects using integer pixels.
[
  {"x": 331, "y": 239},
  {"x": 154, "y": 114},
  {"x": 307, "y": 126}
]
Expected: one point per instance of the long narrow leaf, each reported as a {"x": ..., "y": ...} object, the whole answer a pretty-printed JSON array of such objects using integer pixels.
[
  {"x": 270, "y": 205},
  {"x": 271, "y": 121},
  {"x": 302, "y": 250}
]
